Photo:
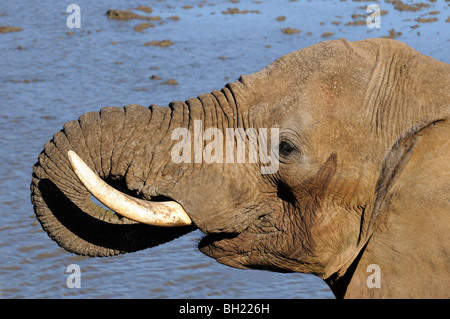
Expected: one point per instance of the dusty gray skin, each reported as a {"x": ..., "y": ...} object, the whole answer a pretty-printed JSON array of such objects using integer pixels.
[{"x": 362, "y": 180}]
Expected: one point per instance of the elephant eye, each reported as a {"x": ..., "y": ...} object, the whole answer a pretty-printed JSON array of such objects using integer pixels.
[{"x": 286, "y": 148}]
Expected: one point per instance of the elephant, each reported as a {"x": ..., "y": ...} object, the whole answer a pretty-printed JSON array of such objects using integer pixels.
[{"x": 359, "y": 195}]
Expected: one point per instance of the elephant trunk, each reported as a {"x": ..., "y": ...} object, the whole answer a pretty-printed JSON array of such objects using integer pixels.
[
  {"x": 130, "y": 149},
  {"x": 114, "y": 143}
]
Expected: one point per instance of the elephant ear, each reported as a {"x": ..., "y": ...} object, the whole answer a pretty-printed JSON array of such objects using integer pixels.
[
  {"x": 65, "y": 209},
  {"x": 421, "y": 112}
]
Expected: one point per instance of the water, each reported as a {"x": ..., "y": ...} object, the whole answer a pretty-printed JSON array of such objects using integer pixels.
[{"x": 48, "y": 77}]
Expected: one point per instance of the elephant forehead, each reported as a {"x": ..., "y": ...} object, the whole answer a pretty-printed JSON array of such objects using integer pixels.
[
  {"x": 319, "y": 82},
  {"x": 296, "y": 67}
]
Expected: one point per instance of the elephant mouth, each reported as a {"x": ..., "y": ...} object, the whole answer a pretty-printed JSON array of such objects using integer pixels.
[
  {"x": 212, "y": 239},
  {"x": 222, "y": 247}
]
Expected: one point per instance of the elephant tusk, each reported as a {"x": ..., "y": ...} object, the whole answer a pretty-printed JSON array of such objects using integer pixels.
[{"x": 167, "y": 213}]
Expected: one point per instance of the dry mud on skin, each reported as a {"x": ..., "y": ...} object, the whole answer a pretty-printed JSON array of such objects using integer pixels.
[{"x": 8, "y": 28}]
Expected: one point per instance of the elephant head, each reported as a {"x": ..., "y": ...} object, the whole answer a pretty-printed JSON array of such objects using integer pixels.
[{"x": 330, "y": 160}]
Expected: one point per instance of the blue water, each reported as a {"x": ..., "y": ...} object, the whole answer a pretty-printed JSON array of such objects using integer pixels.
[{"x": 49, "y": 77}]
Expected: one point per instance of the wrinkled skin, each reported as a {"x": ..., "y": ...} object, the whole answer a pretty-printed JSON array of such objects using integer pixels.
[{"x": 362, "y": 179}]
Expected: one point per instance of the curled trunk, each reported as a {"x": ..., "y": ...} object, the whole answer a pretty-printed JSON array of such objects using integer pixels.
[
  {"x": 109, "y": 142},
  {"x": 130, "y": 149}
]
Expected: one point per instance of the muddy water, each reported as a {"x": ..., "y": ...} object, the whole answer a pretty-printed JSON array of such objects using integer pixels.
[{"x": 50, "y": 74}]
